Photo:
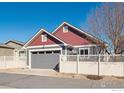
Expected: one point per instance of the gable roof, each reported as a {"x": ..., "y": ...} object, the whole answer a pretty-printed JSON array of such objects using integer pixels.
[
  {"x": 15, "y": 41},
  {"x": 40, "y": 31},
  {"x": 6, "y": 46},
  {"x": 87, "y": 34}
]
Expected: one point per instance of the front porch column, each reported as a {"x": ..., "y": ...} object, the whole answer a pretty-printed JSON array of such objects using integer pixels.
[{"x": 66, "y": 51}]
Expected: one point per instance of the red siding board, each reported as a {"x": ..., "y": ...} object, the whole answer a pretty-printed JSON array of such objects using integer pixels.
[
  {"x": 37, "y": 41},
  {"x": 71, "y": 37}
]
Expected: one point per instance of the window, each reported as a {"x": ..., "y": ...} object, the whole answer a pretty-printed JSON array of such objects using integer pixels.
[
  {"x": 48, "y": 52},
  {"x": 41, "y": 52},
  {"x": 44, "y": 38},
  {"x": 65, "y": 29},
  {"x": 22, "y": 53},
  {"x": 34, "y": 52},
  {"x": 84, "y": 51},
  {"x": 56, "y": 52},
  {"x": 94, "y": 50}
]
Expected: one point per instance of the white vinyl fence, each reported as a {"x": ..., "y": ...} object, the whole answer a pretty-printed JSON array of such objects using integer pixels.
[
  {"x": 12, "y": 62},
  {"x": 93, "y": 64}
]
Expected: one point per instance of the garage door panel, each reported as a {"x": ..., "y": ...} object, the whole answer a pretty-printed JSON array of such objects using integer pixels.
[{"x": 44, "y": 61}]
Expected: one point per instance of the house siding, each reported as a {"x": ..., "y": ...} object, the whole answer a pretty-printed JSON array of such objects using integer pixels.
[
  {"x": 71, "y": 37},
  {"x": 37, "y": 41},
  {"x": 17, "y": 46},
  {"x": 6, "y": 52}
]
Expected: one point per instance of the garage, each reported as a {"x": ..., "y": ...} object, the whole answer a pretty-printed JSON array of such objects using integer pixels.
[{"x": 45, "y": 59}]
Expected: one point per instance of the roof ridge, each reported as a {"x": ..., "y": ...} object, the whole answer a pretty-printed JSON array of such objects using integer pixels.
[{"x": 16, "y": 41}]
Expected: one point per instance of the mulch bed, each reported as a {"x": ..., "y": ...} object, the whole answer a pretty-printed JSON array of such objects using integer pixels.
[
  {"x": 120, "y": 77},
  {"x": 94, "y": 77}
]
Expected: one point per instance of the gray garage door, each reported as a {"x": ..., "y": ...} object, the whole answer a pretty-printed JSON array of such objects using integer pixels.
[{"x": 45, "y": 60}]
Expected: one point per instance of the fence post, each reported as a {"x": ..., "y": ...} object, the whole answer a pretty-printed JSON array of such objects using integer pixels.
[
  {"x": 77, "y": 64},
  {"x": 99, "y": 65},
  {"x": 4, "y": 60},
  {"x": 123, "y": 69},
  {"x": 16, "y": 60},
  {"x": 29, "y": 60}
]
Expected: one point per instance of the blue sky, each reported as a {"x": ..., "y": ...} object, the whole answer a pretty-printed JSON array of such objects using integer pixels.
[{"x": 20, "y": 21}]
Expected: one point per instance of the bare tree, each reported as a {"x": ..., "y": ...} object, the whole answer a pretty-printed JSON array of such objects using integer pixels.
[{"x": 107, "y": 23}]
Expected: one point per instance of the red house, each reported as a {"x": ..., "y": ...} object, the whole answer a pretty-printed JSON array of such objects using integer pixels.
[{"x": 44, "y": 48}]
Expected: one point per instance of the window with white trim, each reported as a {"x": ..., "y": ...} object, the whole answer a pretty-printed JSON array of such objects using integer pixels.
[
  {"x": 84, "y": 51},
  {"x": 44, "y": 38},
  {"x": 65, "y": 29}
]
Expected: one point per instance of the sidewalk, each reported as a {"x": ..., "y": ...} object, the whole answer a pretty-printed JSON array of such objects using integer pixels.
[
  {"x": 53, "y": 73},
  {"x": 5, "y": 87},
  {"x": 42, "y": 72}
]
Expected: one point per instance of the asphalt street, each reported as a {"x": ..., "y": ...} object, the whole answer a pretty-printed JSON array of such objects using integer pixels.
[{"x": 21, "y": 81}]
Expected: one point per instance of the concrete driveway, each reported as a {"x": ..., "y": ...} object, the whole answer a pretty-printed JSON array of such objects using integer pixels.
[{"x": 30, "y": 81}]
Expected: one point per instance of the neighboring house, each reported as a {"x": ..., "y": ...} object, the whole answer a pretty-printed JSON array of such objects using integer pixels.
[
  {"x": 44, "y": 48},
  {"x": 11, "y": 48},
  {"x": 17, "y": 45},
  {"x": 6, "y": 50}
]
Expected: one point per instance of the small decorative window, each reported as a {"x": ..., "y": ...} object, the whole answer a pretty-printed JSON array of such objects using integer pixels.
[
  {"x": 44, "y": 37},
  {"x": 65, "y": 29},
  {"x": 84, "y": 51}
]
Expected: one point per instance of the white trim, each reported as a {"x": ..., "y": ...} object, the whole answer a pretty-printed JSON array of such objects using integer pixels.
[
  {"x": 84, "y": 49},
  {"x": 51, "y": 49},
  {"x": 41, "y": 50},
  {"x": 32, "y": 38},
  {"x": 42, "y": 30},
  {"x": 90, "y": 45},
  {"x": 66, "y": 51},
  {"x": 78, "y": 30},
  {"x": 42, "y": 46},
  {"x": 29, "y": 60}
]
